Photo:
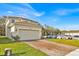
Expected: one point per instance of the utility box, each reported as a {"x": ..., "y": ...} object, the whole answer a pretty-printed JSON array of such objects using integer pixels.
[{"x": 8, "y": 52}]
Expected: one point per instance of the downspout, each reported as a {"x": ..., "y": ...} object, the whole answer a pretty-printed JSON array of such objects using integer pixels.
[{"x": 6, "y": 24}]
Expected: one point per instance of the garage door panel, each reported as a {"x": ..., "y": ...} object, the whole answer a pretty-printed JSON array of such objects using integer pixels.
[{"x": 29, "y": 34}]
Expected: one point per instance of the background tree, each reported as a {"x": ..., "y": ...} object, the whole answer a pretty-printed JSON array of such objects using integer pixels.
[
  {"x": 49, "y": 30},
  {"x": 2, "y": 26}
]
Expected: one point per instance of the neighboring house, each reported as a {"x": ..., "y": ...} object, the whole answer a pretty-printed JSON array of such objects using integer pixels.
[
  {"x": 24, "y": 28},
  {"x": 73, "y": 33}
]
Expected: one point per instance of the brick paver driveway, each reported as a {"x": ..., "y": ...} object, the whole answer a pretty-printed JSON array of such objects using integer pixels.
[{"x": 52, "y": 48}]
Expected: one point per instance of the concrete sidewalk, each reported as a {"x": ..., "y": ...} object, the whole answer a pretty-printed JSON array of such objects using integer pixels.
[{"x": 74, "y": 53}]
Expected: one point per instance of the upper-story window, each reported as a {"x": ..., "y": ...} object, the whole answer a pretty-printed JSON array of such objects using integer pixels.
[{"x": 13, "y": 21}]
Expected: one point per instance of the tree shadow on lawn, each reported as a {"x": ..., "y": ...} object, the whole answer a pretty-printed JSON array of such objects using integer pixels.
[
  {"x": 18, "y": 54},
  {"x": 28, "y": 40},
  {"x": 9, "y": 42},
  {"x": 6, "y": 42}
]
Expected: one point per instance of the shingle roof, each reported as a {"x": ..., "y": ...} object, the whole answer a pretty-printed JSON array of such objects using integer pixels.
[{"x": 24, "y": 21}]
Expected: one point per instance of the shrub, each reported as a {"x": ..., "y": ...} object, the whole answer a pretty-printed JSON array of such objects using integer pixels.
[
  {"x": 16, "y": 37},
  {"x": 4, "y": 39}
]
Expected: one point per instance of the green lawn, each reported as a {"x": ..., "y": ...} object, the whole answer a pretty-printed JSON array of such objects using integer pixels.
[
  {"x": 21, "y": 49},
  {"x": 18, "y": 48},
  {"x": 68, "y": 42}
]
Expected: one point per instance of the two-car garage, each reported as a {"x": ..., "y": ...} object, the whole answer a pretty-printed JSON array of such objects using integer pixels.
[{"x": 27, "y": 34}]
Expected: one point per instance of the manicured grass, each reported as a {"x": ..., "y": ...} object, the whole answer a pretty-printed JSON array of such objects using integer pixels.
[
  {"x": 68, "y": 42},
  {"x": 18, "y": 48},
  {"x": 21, "y": 49},
  {"x": 4, "y": 39}
]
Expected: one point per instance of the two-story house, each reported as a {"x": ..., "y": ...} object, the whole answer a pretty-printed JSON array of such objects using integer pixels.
[{"x": 26, "y": 29}]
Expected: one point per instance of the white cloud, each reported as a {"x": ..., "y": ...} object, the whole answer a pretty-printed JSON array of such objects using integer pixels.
[
  {"x": 24, "y": 10},
  {"x": 10, "y": 12},
  {"x": 32, "y": 11},
  {"x": 29, "y": 6},
  {"x": 70, "y": 27},
  {"x": 55, "y": 19},
  {"x": 39, "y": 14},
  {"x": 62, "y": 12}
]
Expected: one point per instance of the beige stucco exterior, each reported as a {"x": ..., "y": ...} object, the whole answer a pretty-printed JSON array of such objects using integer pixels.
[{"x": 26, "y": 30}]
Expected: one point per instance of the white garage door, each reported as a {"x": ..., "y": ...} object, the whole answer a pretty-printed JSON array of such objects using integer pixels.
[{"x": 29, "y": 34}]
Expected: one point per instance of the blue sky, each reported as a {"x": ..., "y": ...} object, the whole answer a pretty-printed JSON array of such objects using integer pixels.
[{"x": 62, "y": 16}]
